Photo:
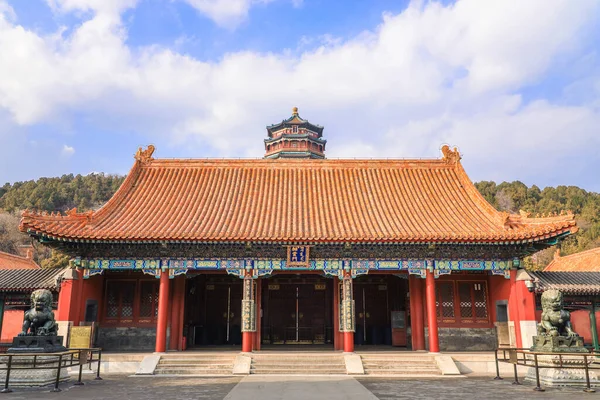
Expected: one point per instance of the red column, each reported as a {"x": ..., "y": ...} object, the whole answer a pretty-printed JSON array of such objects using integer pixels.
[
  {"x": 417, "y": 318},
  {"x": 349, "y": 342},
  {"x": 176, "y": 310},
  {"x": 247, "y": 342},
  {"x": 348, "y": 301},
  {"x": 434, "y": 345},
  {"x": 163, "y": 312}
]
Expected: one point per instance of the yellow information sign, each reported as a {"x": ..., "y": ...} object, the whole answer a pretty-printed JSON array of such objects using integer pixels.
[{"x": 80, "y": 337}]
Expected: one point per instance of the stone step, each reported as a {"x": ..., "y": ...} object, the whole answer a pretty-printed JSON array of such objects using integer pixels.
[
  {"x": 399, "y": 359},
  {"x": 407, "y": 367},
  {"x": 190, "y": 364},
  {"x": 376, "y": 364},
  {"x": 200, "y": 371},
  {"x": 387, "y": 368},
  {"x": 195, "y": 362},
  {"x": 298, "y": 364},
  {"x": 294, "y": 362},
  {"x": 272, "y": 371},
  {"x": 299, "y": 367},
  {"x": 404, "y": 373},
  {"x": 299, "y": 358},
  {"x": 187, "y": 366},
  {"x": 197, "y": 358}
]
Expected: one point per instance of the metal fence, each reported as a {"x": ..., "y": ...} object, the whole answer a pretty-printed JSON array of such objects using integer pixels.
[
  {"x": 51, "y": 361},
  {"x": 527, "y": 358}
]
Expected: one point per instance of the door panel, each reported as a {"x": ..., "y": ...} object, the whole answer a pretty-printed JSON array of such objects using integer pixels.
[
  {"x": 297, "y": 312},
  {"x": 223, "y": 304}
]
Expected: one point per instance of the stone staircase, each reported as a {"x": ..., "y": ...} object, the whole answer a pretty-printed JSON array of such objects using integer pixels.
[
  {"x": 205, "y": 364},
  {"x": 394, "y": 364},
  {"x": 298, "y": 364}
]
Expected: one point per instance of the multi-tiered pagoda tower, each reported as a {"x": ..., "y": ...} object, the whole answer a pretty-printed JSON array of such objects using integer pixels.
[{"x": 295, "y": 138}]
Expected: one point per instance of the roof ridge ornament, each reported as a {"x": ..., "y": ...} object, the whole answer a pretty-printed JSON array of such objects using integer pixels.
[
  {"x": 145, "y": 156},
  {"x": 525, "y": 214},
  {"x": 450, "y": 156}
]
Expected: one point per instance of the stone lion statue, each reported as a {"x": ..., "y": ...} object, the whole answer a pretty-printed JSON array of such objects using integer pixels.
[
  {"x": 39, "y": 320},
  {"x": 555, "y": 320}
]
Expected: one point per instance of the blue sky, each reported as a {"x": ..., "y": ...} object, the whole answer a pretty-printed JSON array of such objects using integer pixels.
[{"x": 516, "y": 86}]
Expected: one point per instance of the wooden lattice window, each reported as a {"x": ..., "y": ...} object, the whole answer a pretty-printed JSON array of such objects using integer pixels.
[
  {"x": 149, "y": 300},
  {"x": 445, "y": 302},
  {"x": 120, "y": 296},
  {"x": 462, "y": 302}
]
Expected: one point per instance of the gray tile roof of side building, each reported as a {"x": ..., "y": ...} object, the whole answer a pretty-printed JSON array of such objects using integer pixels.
[
  {"x": 577, "y": 283},
  {"x": 24, "y": 280}
]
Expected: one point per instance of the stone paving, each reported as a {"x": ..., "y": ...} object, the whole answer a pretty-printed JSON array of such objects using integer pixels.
[
  {"x": 464, "y": 388},
  {"x": 121, "y": 387}
]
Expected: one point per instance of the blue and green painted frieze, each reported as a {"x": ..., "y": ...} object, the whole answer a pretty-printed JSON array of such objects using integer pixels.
[{"x": 263, "y": 267}]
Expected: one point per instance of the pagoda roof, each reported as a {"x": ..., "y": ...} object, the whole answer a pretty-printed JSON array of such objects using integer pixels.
[
  {"x": 584, "y": 261},
  {"x": 295, "y": 119},
  {"x": 287, "y": 200},
  {"x": 12, "y": 261}
]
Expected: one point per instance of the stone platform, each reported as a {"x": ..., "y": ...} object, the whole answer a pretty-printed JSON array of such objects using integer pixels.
[
  {"x": 37, "y": 344},
  {"x": 558, "y": 344},
  {"x": 573, "y": 375},
  {"x": 23, "y": 374}
]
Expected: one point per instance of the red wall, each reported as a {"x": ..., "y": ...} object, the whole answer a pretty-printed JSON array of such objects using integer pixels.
[
  {"x": 11, "y": 325},
  {"x": 499, "y": 288},
  {"x": 92, "y": 290},
  {"x": 580, "y": 319}
]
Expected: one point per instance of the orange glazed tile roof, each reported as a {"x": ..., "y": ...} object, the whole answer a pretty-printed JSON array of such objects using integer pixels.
[
  {"x": 268, "y": 200},
  {"x": 11, "y": 261},
  {"x": 585, "y": 261}
]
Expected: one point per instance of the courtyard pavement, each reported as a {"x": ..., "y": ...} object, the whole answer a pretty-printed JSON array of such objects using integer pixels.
[{"x": 120, "y": 387}]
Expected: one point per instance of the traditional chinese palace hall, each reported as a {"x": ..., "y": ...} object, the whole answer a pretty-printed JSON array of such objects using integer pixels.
[{"x": 298, "y": 249}]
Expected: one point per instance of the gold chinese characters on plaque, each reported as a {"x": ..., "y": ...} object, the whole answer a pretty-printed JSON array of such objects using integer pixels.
[{"x": 297, "y": 256}]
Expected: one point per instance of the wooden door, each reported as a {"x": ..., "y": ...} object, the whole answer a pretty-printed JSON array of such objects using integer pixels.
[
  {"x": 223, "y": 305},
  {"x": 372, "y": 312},
  {"x": 297, "y": 312}
]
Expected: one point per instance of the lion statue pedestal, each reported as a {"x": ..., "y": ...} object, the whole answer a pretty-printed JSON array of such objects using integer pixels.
[
  {"x": 39, "y": 335},
  {"x": 556, "y": 335}
]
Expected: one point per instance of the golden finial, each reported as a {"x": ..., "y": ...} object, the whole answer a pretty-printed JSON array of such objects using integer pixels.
[{"x": 295, "y": 111}]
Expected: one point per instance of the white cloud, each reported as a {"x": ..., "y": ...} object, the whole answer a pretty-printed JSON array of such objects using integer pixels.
[
  {"x": 226, "y": 13},
  {"x": 429, "y": 75},
  {"x": 113, "y": 7},
  {"x": 7, "y": 11},
  {"x": 67, "y": 151}
]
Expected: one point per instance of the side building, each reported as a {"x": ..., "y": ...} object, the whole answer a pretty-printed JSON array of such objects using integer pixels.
[
  {"x": 577, "y": 276},
  {"x": 19, "y": 277},
  {"x": 298, "y": 249}
]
